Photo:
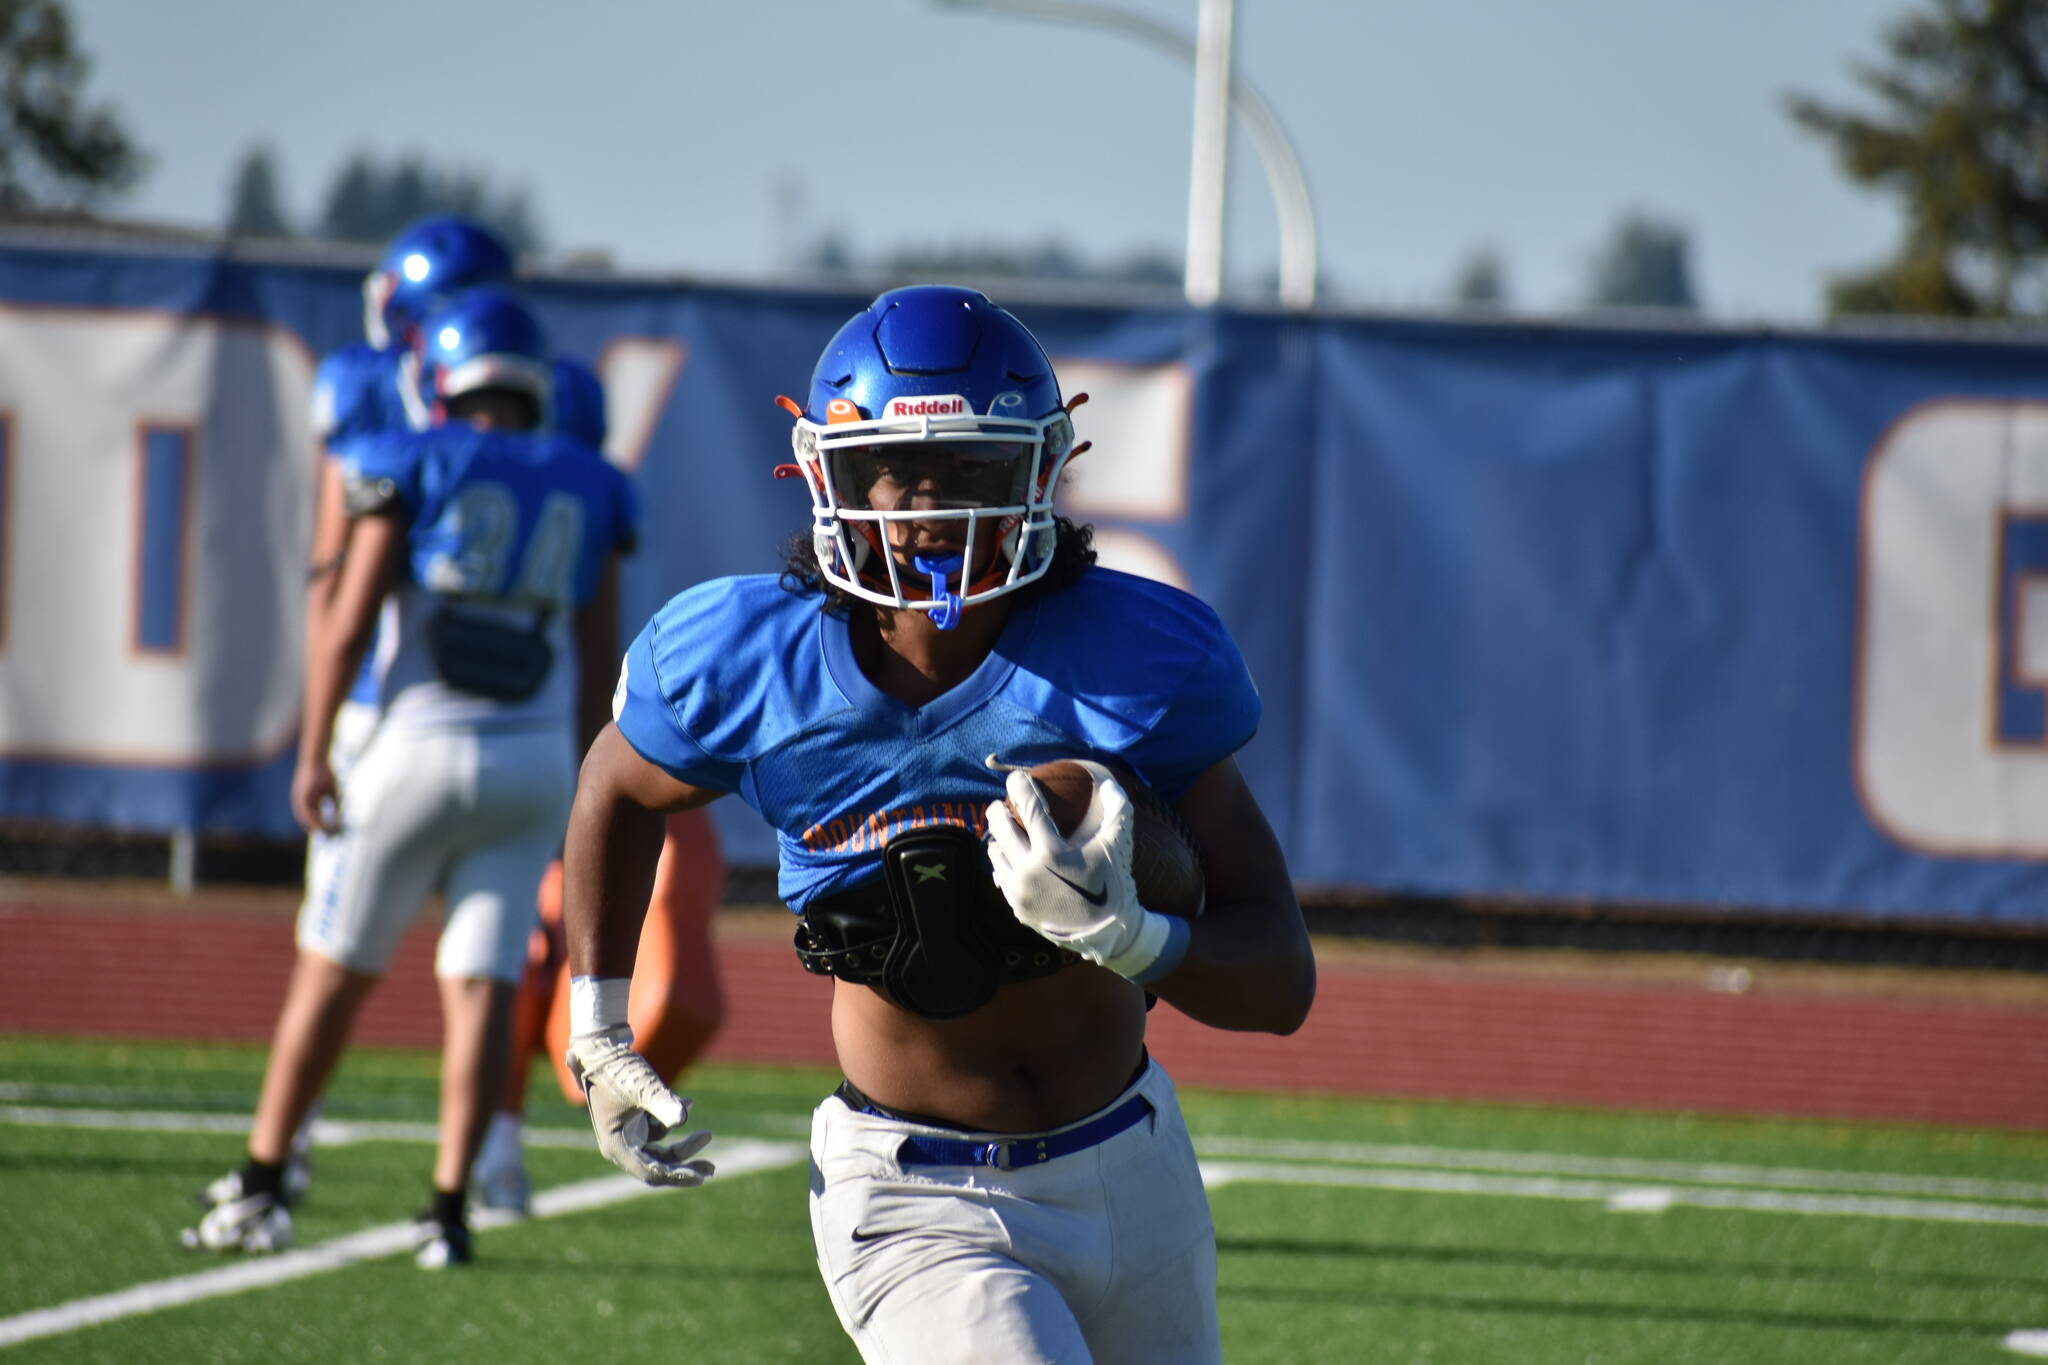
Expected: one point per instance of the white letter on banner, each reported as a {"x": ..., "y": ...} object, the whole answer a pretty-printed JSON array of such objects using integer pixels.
[
  {"x": 638, "y": 374},
  {"x": 1951, "y": 744},
  {"x": 156, "y": 526},
  {"x": 1141, "y": 419}
]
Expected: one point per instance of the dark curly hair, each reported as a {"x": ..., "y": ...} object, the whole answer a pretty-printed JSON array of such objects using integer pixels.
[{"x": 1073, "y": 550}]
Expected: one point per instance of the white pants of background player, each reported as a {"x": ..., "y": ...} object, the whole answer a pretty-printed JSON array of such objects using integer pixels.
[
  {"x": 1106, "y": 1254},
  {"x": 476, "y": 815}
]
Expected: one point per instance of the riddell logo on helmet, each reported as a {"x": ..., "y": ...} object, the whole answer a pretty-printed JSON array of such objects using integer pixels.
[{"x": 938, "y": 405}]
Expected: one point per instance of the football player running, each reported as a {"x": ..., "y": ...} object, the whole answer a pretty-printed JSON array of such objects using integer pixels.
[
  {"x": 1004, "y": 1174},
  {"x": 482, "y": 557}
]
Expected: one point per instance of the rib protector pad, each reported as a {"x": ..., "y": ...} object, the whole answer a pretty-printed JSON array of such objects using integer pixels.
[
  {"x": 937, "y": 934},
  {"x": 941, "y": 965}
]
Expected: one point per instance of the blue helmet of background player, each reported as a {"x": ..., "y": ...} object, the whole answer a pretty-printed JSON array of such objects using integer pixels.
[
  {"x": 425, "y": 264},
  {"x": 577, "y": 403},
  {"x": 941, "y": 382},
  {"x": 482, "y": 339}
]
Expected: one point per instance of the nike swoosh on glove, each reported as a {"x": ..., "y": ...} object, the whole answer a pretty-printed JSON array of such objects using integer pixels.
[
  {"x": 1075, "y": 890},
  {"x": 631, "y": 1109}
]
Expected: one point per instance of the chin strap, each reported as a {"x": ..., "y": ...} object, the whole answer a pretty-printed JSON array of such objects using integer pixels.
[{"x": 947, "y": 616}]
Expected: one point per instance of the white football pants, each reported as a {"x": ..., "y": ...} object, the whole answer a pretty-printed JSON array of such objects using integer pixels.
[
  {"x": 474, "y": 815},
  {"x": 1103, "y": 1255}
]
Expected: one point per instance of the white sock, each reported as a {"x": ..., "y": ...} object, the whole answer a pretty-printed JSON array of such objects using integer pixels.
[
  {"x": 302, "y": 1141},
  {"x": 503, "y": 1141}
]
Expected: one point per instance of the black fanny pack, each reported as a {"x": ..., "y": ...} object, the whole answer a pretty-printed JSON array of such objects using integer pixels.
[
  {"x": 488, "y": 657},
  {"x": 932, "y": 930}
]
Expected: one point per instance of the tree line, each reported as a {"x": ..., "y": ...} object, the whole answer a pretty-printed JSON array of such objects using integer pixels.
[
  {"x": 1953, "y": 128},
  {"x": 372, "y": 197}
]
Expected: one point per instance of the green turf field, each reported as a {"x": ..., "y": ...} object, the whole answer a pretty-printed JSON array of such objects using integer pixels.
[{"x": 1350, "y": 1230}]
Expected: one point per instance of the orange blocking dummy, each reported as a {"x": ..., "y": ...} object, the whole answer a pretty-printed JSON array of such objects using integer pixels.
[{"x": 676, "y": 1005}]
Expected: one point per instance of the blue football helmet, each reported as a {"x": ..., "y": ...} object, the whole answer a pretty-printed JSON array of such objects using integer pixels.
[
  {"x": 934, "y": 427},
  {"x": 578, "y": 403},
  {"x": 481, "y": 339},
  {"x": 425, "y": 264}
]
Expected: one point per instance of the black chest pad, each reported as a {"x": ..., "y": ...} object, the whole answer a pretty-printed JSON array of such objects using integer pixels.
[{"x": 936, "y": 934}]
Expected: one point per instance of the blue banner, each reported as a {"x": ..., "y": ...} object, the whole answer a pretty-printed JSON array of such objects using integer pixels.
[{"x": 1699, "y": 618}]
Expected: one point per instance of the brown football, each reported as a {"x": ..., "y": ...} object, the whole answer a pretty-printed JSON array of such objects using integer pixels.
[{"x": 1165, "y": 863}]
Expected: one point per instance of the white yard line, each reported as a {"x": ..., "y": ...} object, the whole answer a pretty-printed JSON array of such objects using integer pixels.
[
  {"x": 1622, "y": 1184},
  {"x": 1621, "y": 1168},
  {"x": 1618, "y": 1195},
  {"x": 734, "y": 1158},
  {"x": 326, "y": 1132},
  {"x": 65, "y": 1094},
  {"x": 1632, "y": 1174},
  {"x": 139, "y": 1120}
]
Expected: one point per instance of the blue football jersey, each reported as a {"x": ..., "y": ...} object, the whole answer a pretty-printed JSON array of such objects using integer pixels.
[
  {"x": 512, "y": 524},
  {"x": 576, "y": 402},
  {"x": 356, "y": 393},
  {"x": 740, "y": 685},
  {"x": 357, "y": 396},
  {"x": 360, "y": 391}
]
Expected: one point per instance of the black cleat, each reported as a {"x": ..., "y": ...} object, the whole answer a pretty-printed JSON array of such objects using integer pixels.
[{"x": 440, "y": 1243}]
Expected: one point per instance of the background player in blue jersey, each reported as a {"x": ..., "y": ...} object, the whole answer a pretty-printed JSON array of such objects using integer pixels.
[
  {"x": 362, "y": 391},
  {"x": 678, "y": 1002},
  {"x": 481, "y": 558},
  {"x": 577, "y": 403},
  {"x": 1005, "y": 1174},
  {"x": 357, "y": 390},
  {"x": 370, "y": 388}
]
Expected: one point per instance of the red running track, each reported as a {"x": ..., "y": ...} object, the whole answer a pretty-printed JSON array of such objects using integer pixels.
[{"x": 1397, "y": 1030}]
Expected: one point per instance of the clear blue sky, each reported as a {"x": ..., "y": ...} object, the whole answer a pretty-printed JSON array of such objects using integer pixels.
[{"x": 711, "y": 138}]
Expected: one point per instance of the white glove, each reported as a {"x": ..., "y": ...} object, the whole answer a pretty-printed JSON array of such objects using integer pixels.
[
  {"x": 630, "y": 1107},
  {"x": 1077, "y": 890}
]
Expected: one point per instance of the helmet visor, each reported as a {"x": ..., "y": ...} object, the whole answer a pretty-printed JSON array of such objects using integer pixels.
[{"x": 932, "y": 476}]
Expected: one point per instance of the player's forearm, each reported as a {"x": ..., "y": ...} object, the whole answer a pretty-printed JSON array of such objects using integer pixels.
[
  {"x": 330, "y": 539},
  {"x": 333, "y": 654},
  {"x": 339, "y": 635},
  {"x": 608, "y": 864},
  {"x": 320, "y": 594},
  {"x": 1249, "y": 967}
]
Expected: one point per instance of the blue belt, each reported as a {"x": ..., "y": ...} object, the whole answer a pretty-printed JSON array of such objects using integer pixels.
[{"x": 919, "y": 1150}]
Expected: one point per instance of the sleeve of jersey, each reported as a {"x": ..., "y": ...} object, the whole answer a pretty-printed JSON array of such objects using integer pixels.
[
  {"x": 645, "y": 709},
  {"x": 1212, "y": 714},
  {"x": 381, "y": 472},
  {"x": 330, "y": 394},
  {"x": 345, "y": 406}
]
